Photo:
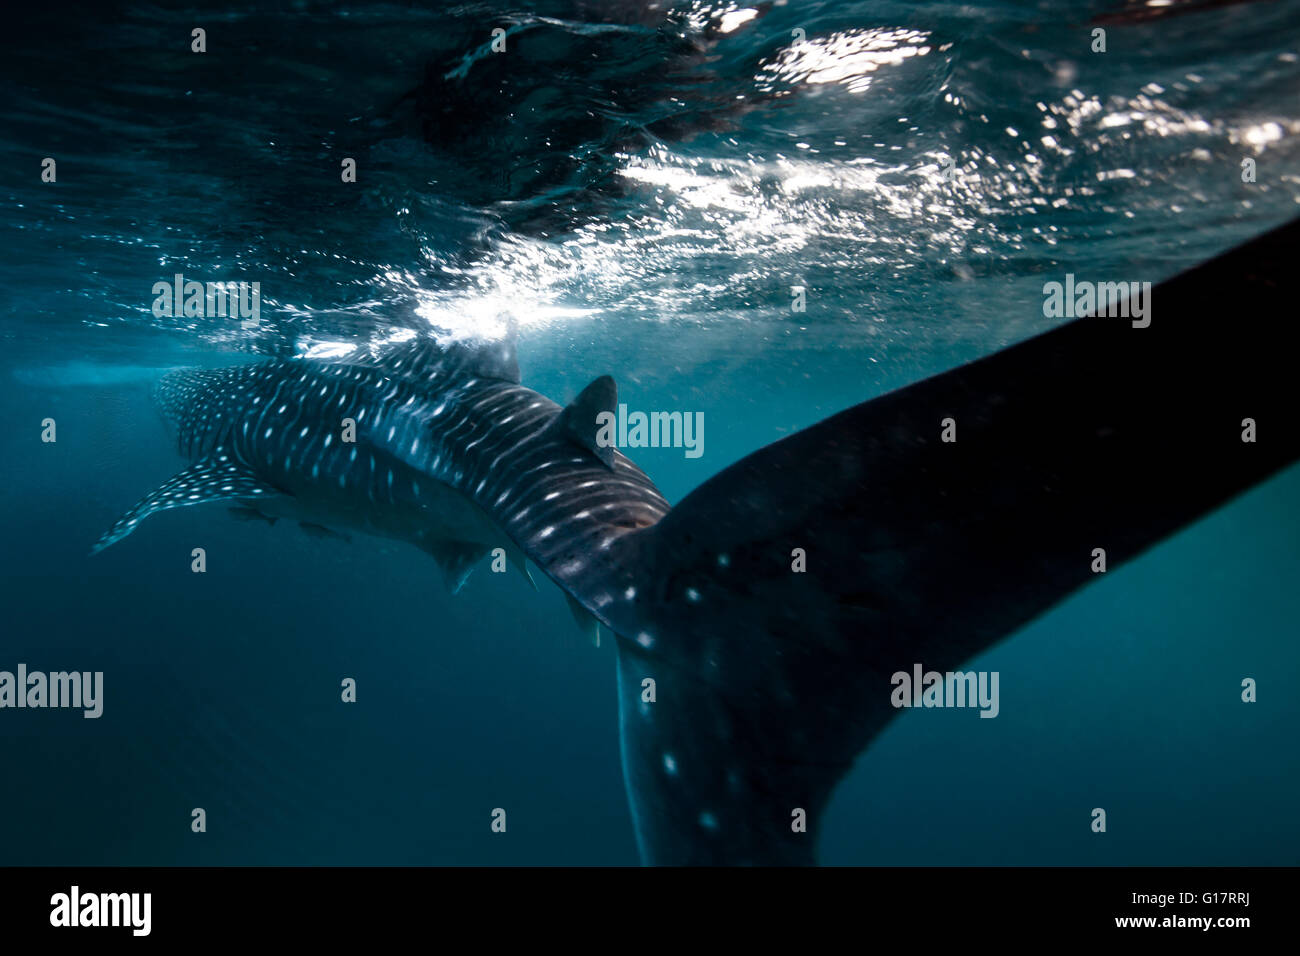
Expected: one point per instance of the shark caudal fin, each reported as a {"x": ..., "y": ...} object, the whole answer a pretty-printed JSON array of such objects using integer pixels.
[{"x": 767, "y": 682}]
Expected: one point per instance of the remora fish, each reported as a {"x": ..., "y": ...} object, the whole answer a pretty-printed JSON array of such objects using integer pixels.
[{"x": 770, "y": 682}]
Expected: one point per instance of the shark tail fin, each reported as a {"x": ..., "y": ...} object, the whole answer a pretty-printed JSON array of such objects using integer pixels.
[{"x": 776, "y": 601}]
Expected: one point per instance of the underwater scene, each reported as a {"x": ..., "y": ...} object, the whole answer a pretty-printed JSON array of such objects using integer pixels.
[{"x": 412, "y": 450}]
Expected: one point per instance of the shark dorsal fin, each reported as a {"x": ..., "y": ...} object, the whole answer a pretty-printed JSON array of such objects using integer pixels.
[
  {"x": 578, "y": 423},
  {"x": 496, "y": 360},
  {"x": 425, "y": 359}
]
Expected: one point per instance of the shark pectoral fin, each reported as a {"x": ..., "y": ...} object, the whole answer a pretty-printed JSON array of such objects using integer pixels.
[
  {"x": 586, "y": 621},
  {"x": 216, "y": 478},
  {"x": 457, "y": 560},
  {"x": 782, "y": 603},
  {"x": 579, "y": 424}
]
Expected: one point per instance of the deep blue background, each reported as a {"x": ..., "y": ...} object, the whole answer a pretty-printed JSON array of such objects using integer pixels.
[{"x": 222, "y": 689}]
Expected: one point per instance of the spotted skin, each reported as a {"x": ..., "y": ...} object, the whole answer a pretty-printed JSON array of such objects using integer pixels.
[
  {"x": 747, "y": 684},
  {"x": 441, "y": 456},
  {"x": 220, "y": 479}
]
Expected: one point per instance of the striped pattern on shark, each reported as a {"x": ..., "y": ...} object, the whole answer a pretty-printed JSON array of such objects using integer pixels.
[{"x": 771, "y": 682}]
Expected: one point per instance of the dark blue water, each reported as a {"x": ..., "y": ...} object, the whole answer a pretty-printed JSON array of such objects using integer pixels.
[{"x": 639, "y": 199}]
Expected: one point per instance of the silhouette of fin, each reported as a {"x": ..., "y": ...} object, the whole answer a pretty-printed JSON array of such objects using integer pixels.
[
  {"x": 768, "y": 680},
  {"x": 457, "y": 560},
  {"x": 585, "y": 620}
]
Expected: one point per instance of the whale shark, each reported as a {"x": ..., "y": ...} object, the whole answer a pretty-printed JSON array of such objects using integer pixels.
[{"x": 931, "y": 522}]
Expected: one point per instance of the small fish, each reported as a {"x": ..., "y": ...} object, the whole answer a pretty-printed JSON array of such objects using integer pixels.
[
  {"x": 244, "y": 513},
  {"x": 313, "y": 530}
]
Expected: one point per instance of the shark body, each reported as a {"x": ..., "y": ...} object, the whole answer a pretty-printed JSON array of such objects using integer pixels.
[
  {"x": 441, "y": 448},
  {"x": 768, "y": 680}
]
